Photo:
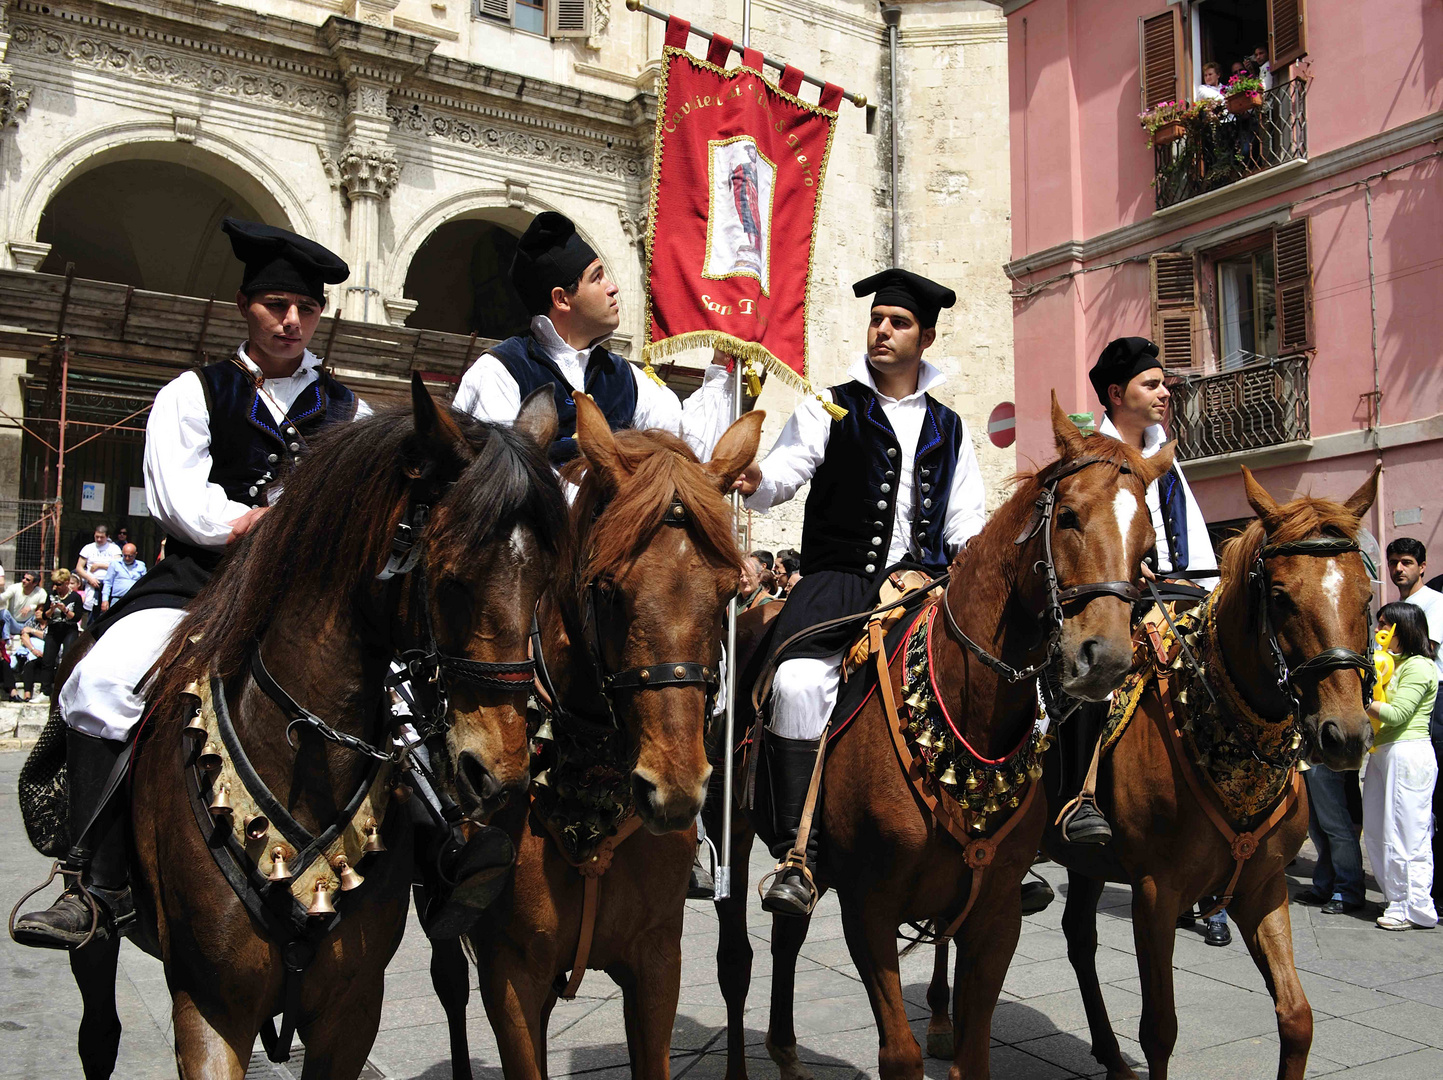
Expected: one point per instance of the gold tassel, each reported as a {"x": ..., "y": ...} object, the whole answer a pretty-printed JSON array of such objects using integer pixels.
[
  {"x": 753, "y": 378},
  {"x": 647, "y": 369},
  {"x": 836, "y": 412}
]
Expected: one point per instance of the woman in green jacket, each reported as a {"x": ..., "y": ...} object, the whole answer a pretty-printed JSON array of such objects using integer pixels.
[{"x": 1398, "y": 786}]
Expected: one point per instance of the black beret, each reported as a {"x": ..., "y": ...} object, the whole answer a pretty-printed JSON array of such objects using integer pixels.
[
  {"x": 549, "y": 255},
  {"x": 904, "y": 289},
  {"x": 1123, "y": 360},
  {"x": 280, "y": 259}
]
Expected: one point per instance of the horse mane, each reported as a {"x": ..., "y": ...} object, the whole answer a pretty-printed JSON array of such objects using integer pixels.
[
  {"x": 1298, "y": 519},
  {"x": 330, "y": 531},
  {"x": 620, "y": 523}
]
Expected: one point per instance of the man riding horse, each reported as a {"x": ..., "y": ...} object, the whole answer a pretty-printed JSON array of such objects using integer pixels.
[
  {"x": 218, "y": 444},
  {"x": 894, "y": 481},
  {"x": 1131, "y": 384}
]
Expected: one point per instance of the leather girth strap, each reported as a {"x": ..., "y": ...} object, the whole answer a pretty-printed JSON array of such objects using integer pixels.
[
  {"x": 1244, "y": 844},
  {"x": 590, "y": 870},
  {"x": 979, "y": 851}
]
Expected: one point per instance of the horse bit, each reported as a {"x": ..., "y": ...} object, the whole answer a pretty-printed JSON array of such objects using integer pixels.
[
  {"x": 653, "y": 676},
  {"x": 1041, "y": 521}
]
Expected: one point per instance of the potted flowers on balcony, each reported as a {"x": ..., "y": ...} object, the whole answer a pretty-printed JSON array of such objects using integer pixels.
[
  {"x": 1243, "y": 93},
  {"x": 1166, "y": 122}
]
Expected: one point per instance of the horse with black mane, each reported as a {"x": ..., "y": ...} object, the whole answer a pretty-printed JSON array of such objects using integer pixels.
[{"x": 427, "y": 536}]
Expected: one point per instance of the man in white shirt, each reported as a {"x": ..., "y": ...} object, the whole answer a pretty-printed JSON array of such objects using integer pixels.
[
  {"x": 94, "y": 561},
  {"x": 572, "y": 300},
  {"x": 895, "y": 479},
  {"x": 1407, "y": 566},
  {"x": 1131, "y": 384},
  {"x": 217, "y": 444}
]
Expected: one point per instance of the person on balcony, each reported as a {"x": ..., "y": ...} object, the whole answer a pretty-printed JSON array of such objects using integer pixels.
[{"x": 1211, "y": 88}]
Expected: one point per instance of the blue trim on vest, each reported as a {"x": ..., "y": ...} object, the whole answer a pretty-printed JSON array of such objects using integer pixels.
[
  {"x": 244, "y": 436},
  {"x": 608, "y": 380},
  {"x": 842, "y": 516}
]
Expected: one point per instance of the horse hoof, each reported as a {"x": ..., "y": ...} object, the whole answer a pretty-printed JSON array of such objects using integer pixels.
[
  {"x": 939, "y": 1044},
  {"x": 787, "y": 1061}
]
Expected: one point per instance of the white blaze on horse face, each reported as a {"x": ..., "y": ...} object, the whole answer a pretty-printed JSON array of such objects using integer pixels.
[
  {"x": 1333, "y": 583},
  {"x": 520, "y": 543},
  {"x": 1124, "y": 509}
]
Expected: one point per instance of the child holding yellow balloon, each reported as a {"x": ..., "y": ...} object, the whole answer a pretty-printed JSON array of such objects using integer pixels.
[{"x": 1398, "y": 786}]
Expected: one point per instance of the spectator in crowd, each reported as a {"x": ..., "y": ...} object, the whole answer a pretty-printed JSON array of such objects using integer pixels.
[
  {"x": 1338, "y": 874},
  {"x": 66, "y": 610},
  {"x": 763, "y": 557},
  {"x": 1264, "y": 68},
  {"x": 121, "y": 576},
  {"x": 756, "y": 587},
  {"x": 22, "y": 600},
  {"x": 1401, "y": 774},
  {"x": 791, "y": 573},
  {"x": 33, "y": 638},
  {"x": 1237, "y": 67},
  {"x": 1211, "y": 86},
  {"x": 95, "y": 560}
]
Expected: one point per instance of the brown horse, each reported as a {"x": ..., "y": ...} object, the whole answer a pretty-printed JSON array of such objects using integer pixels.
[
  {"x": 1294, "y": 576},
  {"x": 303, "y": 591},
  {"x": 630, "y": 639},
  {"x": 888, "y": 856}
]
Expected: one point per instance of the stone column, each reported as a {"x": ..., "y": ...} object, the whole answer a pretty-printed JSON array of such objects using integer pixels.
[{"x": 369, "y": 171}]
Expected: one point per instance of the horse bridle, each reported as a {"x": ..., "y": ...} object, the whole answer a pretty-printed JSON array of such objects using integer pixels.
[
  {"x": 652, "y": 676},
  {"x": 1043, "y": 511},
  {"x": 1334, "y": 659}
]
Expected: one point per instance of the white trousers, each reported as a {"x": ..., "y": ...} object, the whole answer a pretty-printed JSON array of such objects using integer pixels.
[
  {"x": 804, "y": 693},
  {"x": 1398, "y": 826},
  {"x": 100, "y": 696}
]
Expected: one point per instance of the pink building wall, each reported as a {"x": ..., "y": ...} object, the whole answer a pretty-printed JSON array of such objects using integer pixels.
[{"x": 1082, "y": 168}]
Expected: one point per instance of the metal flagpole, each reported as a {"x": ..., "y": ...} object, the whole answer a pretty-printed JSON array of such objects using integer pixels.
[{"x": 723, "y": 878}]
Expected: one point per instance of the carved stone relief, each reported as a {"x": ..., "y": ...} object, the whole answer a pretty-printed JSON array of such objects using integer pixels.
[{"x": 368, "y": 169}]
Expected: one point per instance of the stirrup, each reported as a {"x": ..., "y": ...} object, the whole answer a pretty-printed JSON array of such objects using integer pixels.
[
  {"x": 793, "y": 861},
  {"x": 1078, "y": 805},
  {"x": 57, "y": 869}
]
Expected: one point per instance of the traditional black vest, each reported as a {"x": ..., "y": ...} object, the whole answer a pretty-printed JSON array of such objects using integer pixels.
[
  {"x": 609, "y": 381},
  {"x": 852, "y": 505},
  {"x": 248, "y": 449}
]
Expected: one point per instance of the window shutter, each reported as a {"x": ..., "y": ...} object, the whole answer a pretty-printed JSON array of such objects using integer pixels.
[
  {"x": 1174, "y": 309},
  {"x": 1287, "y": 34},
  {"x": 569, "y": 18},
  {"x": 1160, "y": 61},
  {"x": 493, "y": 9},
  {"x": 1293, "y": 266}
]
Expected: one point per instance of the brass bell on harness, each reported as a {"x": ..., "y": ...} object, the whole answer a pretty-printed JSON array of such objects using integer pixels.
[
  {"x": 1000, "y": 784},
  {"x": 321, "y": 903},
  {"x": 973, "y": 783},
  {"x": 543, "y": 733},
  {"x": 1034, "y": 771},
  {"x": 979, "y": 823},
  {"x": 210, "y": 759},
  {"x": 542, "y": 779},
  {"x": 925, "y": 739},
  {"x": 915, "y": 701},
  {"x": 948, "y": 777},
  {"x": 220, "y": 806},
  {"x": 279, "y": 870},
  {"x": 349, "y": 878},
  {"x": 196, "y": 728},
  {"x": 257, "y": 825},
  {"x": 991, "y": 806},
  {"x": 374, "y": 843}
]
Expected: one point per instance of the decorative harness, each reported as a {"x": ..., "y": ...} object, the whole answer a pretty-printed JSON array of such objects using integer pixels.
[
  {"x": 653, "y": 676},
  {"x": 297, "y": 928}
]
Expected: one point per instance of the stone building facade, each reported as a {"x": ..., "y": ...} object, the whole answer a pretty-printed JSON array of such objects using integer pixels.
[{"x": 418, "y": 137}]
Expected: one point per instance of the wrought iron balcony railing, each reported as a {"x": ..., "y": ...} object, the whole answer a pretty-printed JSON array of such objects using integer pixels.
[
  {"x": 1214, "y": 155},
  {"x": 1248, "y": 408}
]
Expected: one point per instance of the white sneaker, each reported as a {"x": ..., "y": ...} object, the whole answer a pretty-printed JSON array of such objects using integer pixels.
[{"x": 1388, "y": 922}]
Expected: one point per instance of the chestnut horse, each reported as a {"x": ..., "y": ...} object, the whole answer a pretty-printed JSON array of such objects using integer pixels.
[
  {"x": 302, "y": 590},
  {"x": 628, "y": 647},
  {"x": 1295, "y": 578},
  {"x": 888, "y": 857}
]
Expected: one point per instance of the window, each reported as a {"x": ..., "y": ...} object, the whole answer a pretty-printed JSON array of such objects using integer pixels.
[
  {"x": 1175, "y": 42},
  {"x": 1247, "y": 309},
  {"x": 549, "y": 18}
]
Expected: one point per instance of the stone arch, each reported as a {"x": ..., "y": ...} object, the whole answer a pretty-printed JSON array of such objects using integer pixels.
[
  {"x": 454, "y": 260},
  {"x": 215, "y": 156}
]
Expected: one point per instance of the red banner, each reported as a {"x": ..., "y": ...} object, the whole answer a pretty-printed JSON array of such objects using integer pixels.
[{"x": 736, "y": 179}]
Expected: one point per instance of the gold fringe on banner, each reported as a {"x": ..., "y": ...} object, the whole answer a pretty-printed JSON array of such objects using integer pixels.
[{"x": 750, "y": 352}]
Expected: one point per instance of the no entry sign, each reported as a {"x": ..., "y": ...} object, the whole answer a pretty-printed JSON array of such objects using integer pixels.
[{"x": 1002, "y": 425}]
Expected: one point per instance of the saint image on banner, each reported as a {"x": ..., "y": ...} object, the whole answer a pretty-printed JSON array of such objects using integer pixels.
[{"x": 739, "y": 219}]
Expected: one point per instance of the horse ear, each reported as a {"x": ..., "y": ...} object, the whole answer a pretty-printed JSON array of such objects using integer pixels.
[
  {"x": 1160, "y": 462},
  {"x": 595, "y": 441},
  {"x": 1069, "y": 439},
  {"x": 1361, "y": 501},
  {"x": 537, "y": 418},
  {"x": 1263, "y": 504},
  {"x": 736, "y": 449},
  {"x": 437, "y": 436}
]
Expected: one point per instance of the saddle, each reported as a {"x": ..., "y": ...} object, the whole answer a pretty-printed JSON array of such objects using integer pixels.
[{"x": 890, "y": 610}]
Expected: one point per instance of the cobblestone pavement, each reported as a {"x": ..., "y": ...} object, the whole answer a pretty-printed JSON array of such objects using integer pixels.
[{"x": 1377, "y": 1001}]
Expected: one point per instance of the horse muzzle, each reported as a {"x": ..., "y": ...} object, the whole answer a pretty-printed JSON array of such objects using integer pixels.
[
  {"x": 663, "y": 807},
  {"x": 479, "y": 792},
  {"x": 1095, "y": 668},
  {"x": 1341, "y": 745}
]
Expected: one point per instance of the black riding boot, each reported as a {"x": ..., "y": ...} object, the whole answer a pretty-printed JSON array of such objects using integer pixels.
[
  {"x": 101, "y": 858},
  {"x": 789, "y": 764},
  {"x": 1084, "y": 823}
]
